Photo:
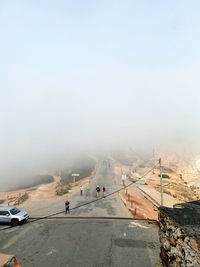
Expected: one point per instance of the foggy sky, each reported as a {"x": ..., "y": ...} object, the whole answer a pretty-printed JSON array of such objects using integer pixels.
[{"x": 86, "y": 75}]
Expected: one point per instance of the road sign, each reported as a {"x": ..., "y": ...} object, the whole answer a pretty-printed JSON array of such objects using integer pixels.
[
  {"x": 75, "y": 175},
  {"x": 140, "y": 182},
  {"x": 123, "y": 177}
]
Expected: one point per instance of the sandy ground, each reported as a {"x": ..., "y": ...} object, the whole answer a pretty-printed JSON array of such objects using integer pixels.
[
  {"x": 41, "y": 193},
  {"x": 135, "y": 199},
  {"x": 168, "y": 200}
]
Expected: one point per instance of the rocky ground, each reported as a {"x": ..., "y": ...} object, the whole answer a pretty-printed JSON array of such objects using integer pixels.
[{"x": 175, "y": 186}]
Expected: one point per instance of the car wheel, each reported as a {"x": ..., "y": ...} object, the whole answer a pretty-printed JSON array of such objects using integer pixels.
[{"x": 14, "y": 222}]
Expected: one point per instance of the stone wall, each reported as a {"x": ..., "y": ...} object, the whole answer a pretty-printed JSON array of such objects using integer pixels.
[{"x": 177, "y": 248}]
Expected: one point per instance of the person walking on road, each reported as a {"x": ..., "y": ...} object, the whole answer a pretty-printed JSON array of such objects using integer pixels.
[
  {"x": 98, "y": 190},
  {"x": 66, "y": 207},
  {"x": 104, "y": 190},
  {"x": 81, "y": 190},
  {"x": 124, "y": 179}
]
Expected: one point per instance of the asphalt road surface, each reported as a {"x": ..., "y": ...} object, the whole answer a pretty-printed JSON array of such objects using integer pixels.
[
  {"x": 111, "y": 206},
  {"x": 82, "y": 242}
]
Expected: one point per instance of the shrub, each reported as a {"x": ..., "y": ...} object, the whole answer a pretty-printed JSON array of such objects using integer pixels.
[
  {"x": 141, "y": 166},
  {"x": 164, "y": 176},
  {"x": 62, "y": 191}
]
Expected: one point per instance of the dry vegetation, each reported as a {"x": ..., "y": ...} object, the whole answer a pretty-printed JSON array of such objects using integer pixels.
[
  {"x": 177, "y": 173},
  {"x": 84, "y": 166},
  {"x": 63, "y": 189},
  {"x": 180, "y": 191}
]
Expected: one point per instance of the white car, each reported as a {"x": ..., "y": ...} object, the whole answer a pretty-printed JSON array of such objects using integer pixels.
[{"x": 12, "y": 215}]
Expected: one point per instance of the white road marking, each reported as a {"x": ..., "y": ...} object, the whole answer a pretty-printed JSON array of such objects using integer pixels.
[
  {"x": 135, "y": 224},
  {"x": 51, "y": 251}
]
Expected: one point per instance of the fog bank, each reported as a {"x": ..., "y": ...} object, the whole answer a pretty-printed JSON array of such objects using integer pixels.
[{"x": 84, "y": 78}]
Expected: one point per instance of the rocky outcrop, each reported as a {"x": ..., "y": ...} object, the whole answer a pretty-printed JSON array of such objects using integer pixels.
[{"x": 177, "y": 247}]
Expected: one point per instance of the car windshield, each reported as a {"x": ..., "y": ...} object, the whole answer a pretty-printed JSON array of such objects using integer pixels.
[{"x": 14, "y": 211}]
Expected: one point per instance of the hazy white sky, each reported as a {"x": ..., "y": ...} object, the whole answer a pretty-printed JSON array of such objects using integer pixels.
[{"x": 86, "y": 73}]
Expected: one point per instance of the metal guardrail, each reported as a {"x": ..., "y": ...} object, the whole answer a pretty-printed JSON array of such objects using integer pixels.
[{"x": 153, "y": 201}]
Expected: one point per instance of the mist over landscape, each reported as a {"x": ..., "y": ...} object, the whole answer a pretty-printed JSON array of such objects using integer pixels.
[
  {"x": 99, "y": 133},
  {"x": 91, "y": 78}
]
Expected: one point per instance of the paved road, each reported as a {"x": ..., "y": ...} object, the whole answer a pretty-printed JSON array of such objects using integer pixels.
[
  {"x": 111, "y": 206},
  {"x": 82, "y": 243},
  {"x": 95, "y": 243}
]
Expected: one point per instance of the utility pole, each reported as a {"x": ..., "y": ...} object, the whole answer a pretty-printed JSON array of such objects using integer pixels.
[
  {"x": 161, "y": 182},
  {"x": 153, "y": 153}
]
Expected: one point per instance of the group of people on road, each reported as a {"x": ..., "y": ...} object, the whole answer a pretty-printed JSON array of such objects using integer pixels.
[
  {"x": 107, "y": 163},
  {"x": 98, "y": 190}
]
